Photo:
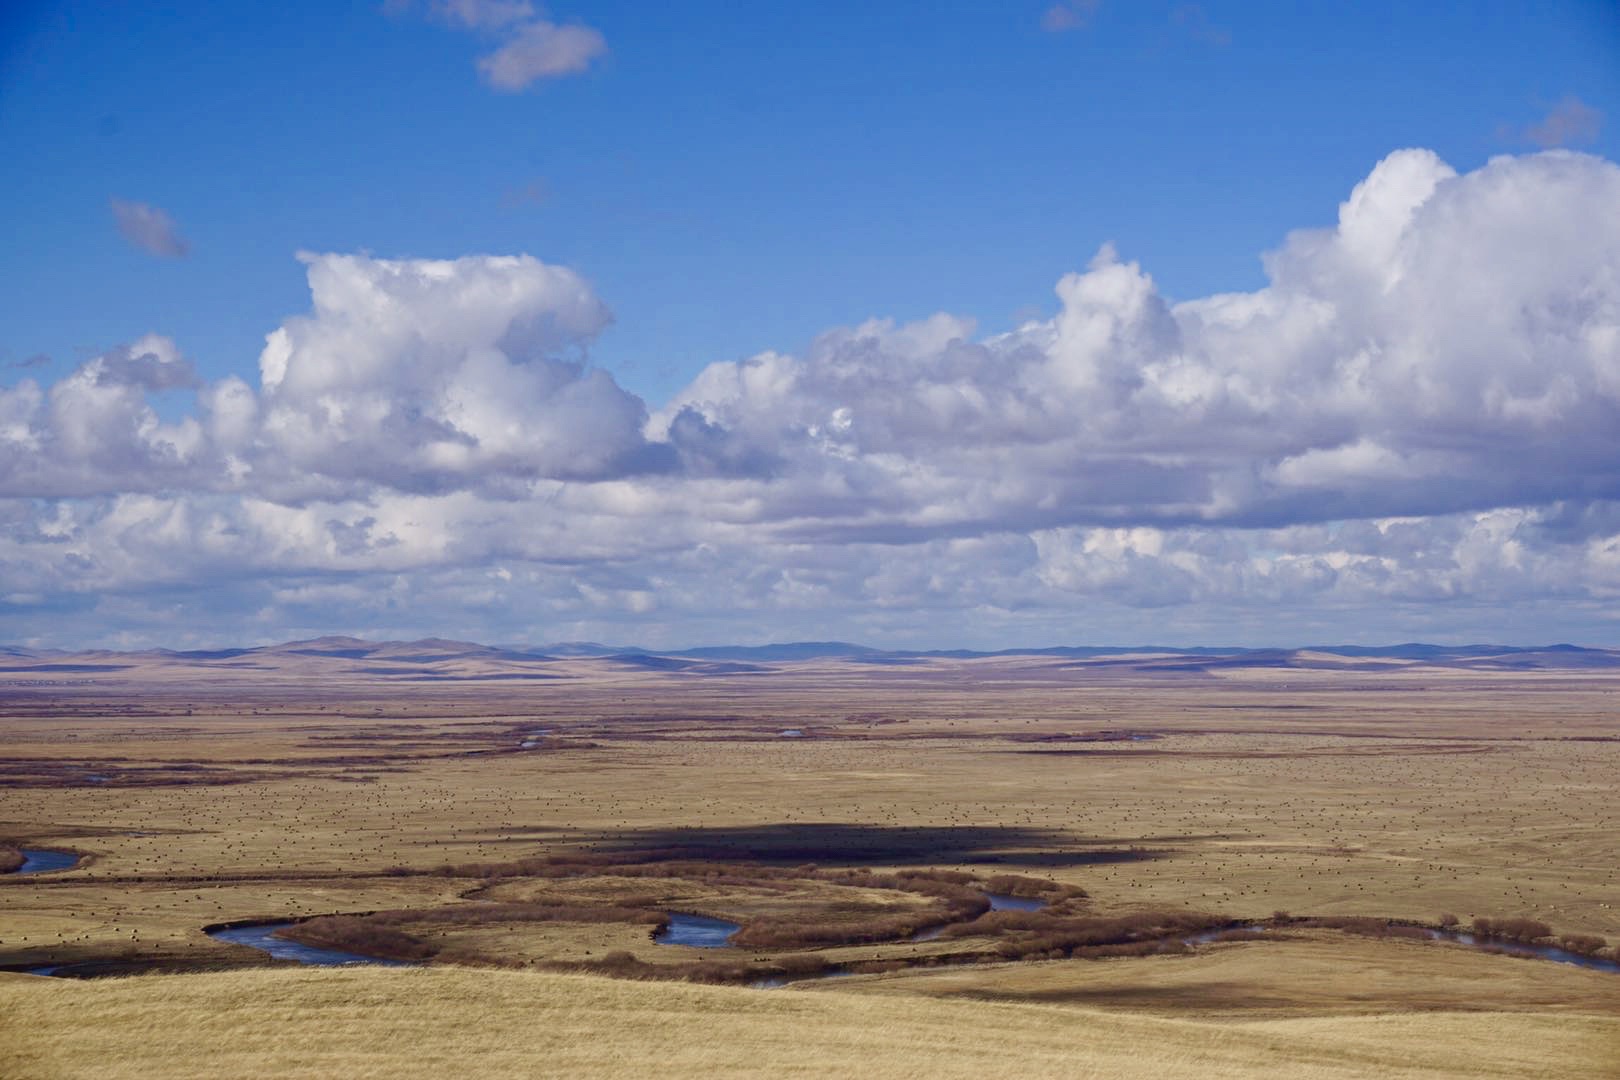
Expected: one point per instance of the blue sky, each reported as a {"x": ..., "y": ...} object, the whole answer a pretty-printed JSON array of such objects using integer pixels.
[{"x": 730, "y": 180}]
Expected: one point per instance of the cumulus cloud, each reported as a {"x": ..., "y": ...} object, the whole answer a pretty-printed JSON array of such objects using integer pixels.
[
  {"x": 95, "y": 432},
  {"x": 1417, "y": 421},
  {"x": 435, "y": 374},
  {"x": 1450, "y": 345},
  {"x": 149, "y": 228}
]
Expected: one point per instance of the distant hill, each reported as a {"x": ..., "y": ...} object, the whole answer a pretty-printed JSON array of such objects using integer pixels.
[{"x": 441, "y": 660}]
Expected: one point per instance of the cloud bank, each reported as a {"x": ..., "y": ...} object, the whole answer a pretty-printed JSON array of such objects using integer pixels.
[{"x": 1412, "y": 430}]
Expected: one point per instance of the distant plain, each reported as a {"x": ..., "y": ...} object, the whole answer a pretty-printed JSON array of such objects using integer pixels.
[{"x": 538, "y": 815}]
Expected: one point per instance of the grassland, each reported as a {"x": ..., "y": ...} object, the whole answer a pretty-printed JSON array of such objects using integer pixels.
[
  {"x": 393, "y": 1023},
  {"x": 545, "y": 825}
]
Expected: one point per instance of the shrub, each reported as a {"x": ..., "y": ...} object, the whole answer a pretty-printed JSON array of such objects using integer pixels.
[
  {"x": 1522, "y": 930},
  {"x": 358, "y": 935},
  {"x": 1583, "y": 944},
  {"x": 1033, "y": 888},
  {"x": 11, "y": 859}
]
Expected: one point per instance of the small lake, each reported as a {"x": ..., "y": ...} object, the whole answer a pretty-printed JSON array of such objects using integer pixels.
[
  {"x": 261, "y": 936},
  {"x": 1002, "y": 902},
  {"x": 43, "y": 860},
  {"x": 696, "y": 931}
]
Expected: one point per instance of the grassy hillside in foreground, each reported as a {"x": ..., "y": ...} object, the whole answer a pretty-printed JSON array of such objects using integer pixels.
[{"x": 426, "y": 1022}]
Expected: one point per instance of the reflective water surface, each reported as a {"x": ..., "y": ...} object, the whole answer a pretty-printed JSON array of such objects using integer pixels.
[
  {"x": 697, "y": 931},
  {"x": 259, "y": 936},
  {"x": 42, "y": 860}
]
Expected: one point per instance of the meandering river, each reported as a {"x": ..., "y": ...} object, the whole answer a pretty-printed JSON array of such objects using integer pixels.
[
  {"x": 704, "y": 932},
  {"x": 262, "y": 936}
]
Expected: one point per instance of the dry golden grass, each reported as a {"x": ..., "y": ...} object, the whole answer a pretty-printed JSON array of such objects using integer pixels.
[
  {"x": 392, "y": 1023},
  {"x": 1319, "y": 793},
  {"x": 1294, "y": 975}
]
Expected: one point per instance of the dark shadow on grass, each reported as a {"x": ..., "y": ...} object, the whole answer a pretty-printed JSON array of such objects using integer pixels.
[
  {"x": 838, "y": 843},
  {"x": 1212, "y": 996}
]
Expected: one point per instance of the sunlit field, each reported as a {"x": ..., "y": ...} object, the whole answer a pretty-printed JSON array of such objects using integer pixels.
[
  {"x": 386, "y": 1023},
  {"x": 1238, "y": 869}
]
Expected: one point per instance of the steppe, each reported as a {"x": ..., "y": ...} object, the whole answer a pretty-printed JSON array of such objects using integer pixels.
[{"x": 1241, "y": 857}]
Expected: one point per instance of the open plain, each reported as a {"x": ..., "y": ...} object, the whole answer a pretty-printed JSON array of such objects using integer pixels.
[{"x": 1242, "y": 866}]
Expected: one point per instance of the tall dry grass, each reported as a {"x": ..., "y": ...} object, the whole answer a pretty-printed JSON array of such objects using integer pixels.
[{"x": 304, "y": 1024}]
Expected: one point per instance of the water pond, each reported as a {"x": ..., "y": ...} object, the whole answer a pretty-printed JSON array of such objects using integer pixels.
[
  {"x": 43, "y": 860},
  {"x": 1002, "y": 902},
  {"x": 696, "y": 931}
]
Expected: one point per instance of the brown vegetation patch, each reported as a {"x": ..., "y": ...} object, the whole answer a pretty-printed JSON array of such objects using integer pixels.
[
  {"x": 1048, "y": 935},
  {"x": 1261, "y": 755},
  {"x": 364, "y": 935},
  {"x": 27, "y": 773},
  {"x": 1029, "y": 888},
  {"x": 959, "y": 910}
]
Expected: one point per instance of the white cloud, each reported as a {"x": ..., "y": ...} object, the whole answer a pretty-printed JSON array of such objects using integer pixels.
[
  {"x": 149, "y": 228},
  {"x": 1450, "y": 345},
  {"x": 437, "y": 374},
  {"x": 95, "y": 432},
  {"x": 530, "y": 47},
  {"x": 541, "y": 50},
  {"x": 1415, "y": 424}
]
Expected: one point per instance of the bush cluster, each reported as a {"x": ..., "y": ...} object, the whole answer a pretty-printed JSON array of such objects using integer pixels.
[
  {"x": 1033, "y": 888},
  {"x": 1041, "y": 935},
  {"x": 1523, "y": 931},
  {"x": 11, "y": 859},
  {"x": 358, "y": 934}
]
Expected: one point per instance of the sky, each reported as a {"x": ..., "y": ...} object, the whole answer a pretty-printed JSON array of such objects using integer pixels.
[{"x": 928, "y": 325}]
